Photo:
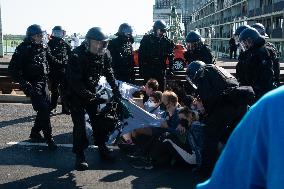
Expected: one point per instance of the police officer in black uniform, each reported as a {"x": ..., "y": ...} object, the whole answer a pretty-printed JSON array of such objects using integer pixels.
[
  {"x": 240, "y": 67},
  {"x": 122, "y": 54},
  {"x": 29, "y": 67},
  {"x": 61, "y": 50},
  {"x": 225, "y": 104},
  {"x": 196, "y": 49},
  {"x": 153, "y": 52},
  {"x": 258, "y": 65},
  {"x": 238, "y": 32},
  {"x": 273, "y": 53},
  {"x": 87, "y": 64}
]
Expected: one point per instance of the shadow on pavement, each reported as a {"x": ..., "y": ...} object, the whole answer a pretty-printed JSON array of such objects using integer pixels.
[
  {"x": 33, "y": 162},
  {"x": 20, "y": 120}
]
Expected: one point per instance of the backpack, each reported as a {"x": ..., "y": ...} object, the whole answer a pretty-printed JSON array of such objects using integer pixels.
[
  {"x": 213, "y": 83},
  {"x": 274, "y": 56}
]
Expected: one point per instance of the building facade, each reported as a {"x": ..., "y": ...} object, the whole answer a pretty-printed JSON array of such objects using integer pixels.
[
  {"x": 217, "y": 20},
  {"x": 162, "y": 9}
]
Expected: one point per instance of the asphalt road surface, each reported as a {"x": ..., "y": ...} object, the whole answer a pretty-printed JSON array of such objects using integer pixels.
[{"x": 27, "y": 165}]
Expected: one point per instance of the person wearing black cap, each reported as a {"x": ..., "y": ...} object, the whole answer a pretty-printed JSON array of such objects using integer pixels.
[
  {"x": 29, "y": 67},
  {"x": 88, "y": 62}
]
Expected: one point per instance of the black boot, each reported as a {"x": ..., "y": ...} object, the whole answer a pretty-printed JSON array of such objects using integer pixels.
[
  {"x": 36, "y": 137},
  {"x": 81, "y": 164},
  {"x": 106, "y": 154},
  {"x": 51, "y": 144}
]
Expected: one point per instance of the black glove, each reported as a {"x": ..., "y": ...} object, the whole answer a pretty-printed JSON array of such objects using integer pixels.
[{"x": 27, "y": 89}]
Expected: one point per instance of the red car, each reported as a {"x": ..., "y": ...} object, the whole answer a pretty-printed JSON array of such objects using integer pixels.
[{"x": 179, "y": 60}]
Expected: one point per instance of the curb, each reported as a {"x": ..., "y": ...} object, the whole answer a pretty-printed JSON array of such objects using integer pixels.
[{"x": 14, "y": 98}]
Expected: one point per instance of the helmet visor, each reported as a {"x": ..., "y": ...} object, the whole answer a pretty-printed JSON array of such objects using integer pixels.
[
  {"x": 40, "y": 38},
  {"x": 98, "y": 47},
  {"x": 58, "y": 33},
  {"x": 244, "y": 45}
]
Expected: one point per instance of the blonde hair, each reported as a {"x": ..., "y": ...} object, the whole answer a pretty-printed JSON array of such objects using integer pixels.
[{"x": 171, "y": 97}]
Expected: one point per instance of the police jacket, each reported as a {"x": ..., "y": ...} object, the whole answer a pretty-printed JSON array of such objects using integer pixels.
[
  {"x": 122, "y": 54},
  {"x": 201, "y": 53},
  {"x": 154, "y": 51},
  {"x": 241, "y": 70},
  {"x": 61, "y": 50},
  {"x": 83, "y": 72},
  {"x": 30, "y": 61},
  {"x": 257, "y": 69},
  {"x": 213, "y": 85}
]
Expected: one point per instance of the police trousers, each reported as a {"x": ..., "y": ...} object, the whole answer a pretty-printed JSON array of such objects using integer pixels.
[
  {"x": 80, "y": 140},
  {"x": 219, "y": 125},
  {"x": 41, "y": 103}
]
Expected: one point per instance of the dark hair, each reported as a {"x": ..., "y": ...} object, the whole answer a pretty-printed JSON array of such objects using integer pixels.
[
  {"x": 157, "y": 95},
  {"x": 153, "y": 83},
  {"x": 187, "y": 112}
]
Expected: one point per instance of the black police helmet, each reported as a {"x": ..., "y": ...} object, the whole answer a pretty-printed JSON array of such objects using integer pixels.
[
  {"x": 250, "y": 33},
  {"x": 240, "y": 29},
  {"x": 33, "y": 30},
  {"x": 124, "y": 29},
  {"x": 160, "y": 24},
  {"x": 193, "y": 67},
  {"x": 96, "y": 33},
  {"x": 260, "y": 28},
  {"x": 59, "y": 28},
  {"x": 193, "y": 36}
]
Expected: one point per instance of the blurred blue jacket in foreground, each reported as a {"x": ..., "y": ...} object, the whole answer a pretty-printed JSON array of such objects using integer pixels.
[{"x": 254, "y": 154}]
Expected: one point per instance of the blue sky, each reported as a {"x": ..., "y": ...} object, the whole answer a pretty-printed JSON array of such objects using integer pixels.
[{"x": 76, "y": 15}]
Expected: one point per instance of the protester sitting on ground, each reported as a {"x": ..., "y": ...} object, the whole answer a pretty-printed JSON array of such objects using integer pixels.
[
  {"x": 170, "y": 101},
  {"x": 193, "y": 129},
  {"x": 184, "y": 146},
  {"x": 143, "y": 137},
  {"x": 145, "y": 91},
  {"x": 153, "y": 103},
  {"x": 151, "y": 86},
  {"x": 153, "y": 107}
]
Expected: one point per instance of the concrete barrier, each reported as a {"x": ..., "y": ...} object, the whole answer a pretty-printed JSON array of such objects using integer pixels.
[{"x": 14, "y": 98}]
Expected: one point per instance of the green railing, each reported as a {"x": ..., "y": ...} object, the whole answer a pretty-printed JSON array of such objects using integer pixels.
[{"x": 10, "y": 42}]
